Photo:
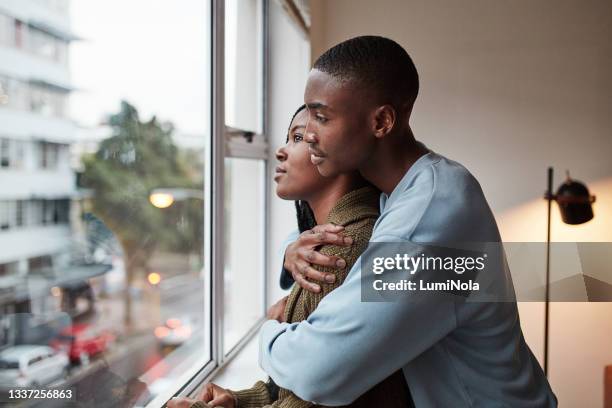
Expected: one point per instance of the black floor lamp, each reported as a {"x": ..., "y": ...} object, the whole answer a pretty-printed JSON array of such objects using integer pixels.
[{"x": 575, "y": 206}]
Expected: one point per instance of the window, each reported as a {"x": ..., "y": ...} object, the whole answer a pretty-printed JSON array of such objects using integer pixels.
[
  {"x": 5, "y": 216},
  {"x": 7, "y": 30},
  {"x": 19, "y": 29},
  {"x": 243, "y": 62},
  {"x": 3, "y": 90},
  {"x": 40, "y": 264},
  {"x": 13, "y": 93},
  {"x": 244, "y": 171},
  {"x": 35, "y": 210},
  {"x": 8, "y": 269},
  {"x": 5, "y": 153},
  {"x": 47, "y": 100},
  {"x": 44, "y": 44},
  {"x": 48, "y": 155},
  {"x": 11, "y": 153},
  {"x": 20, "y": 213},
  {"x": 244, "y": 237},
  {"x": 140, "y": 250}
]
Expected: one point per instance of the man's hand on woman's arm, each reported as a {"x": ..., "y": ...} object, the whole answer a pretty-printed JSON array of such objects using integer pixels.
[{"x": 302, "y": 254}]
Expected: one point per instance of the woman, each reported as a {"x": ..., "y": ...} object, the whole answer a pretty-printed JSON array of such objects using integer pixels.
[{"x": 346, "y": 200}]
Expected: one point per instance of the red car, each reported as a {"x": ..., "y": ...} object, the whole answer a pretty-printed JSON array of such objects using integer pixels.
[{"x": 82, "y": 341}]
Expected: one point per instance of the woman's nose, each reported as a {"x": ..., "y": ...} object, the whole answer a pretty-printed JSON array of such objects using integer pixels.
[{"x": 280, "y": 154}]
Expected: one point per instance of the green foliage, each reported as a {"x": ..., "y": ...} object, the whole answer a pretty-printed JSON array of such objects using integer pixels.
[{"x": 137, "y": 158}]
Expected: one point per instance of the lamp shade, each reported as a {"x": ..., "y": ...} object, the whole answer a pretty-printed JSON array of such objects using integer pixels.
[{"x": 574, "y": 202}]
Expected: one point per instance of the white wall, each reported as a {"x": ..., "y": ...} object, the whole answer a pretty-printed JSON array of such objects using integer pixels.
[{"x": 508, "y": 88}]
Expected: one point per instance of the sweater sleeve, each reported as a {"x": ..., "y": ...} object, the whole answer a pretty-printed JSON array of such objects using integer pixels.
[
  {"x": 255, "y": 397},
  {"x": 360, "y": 232}
]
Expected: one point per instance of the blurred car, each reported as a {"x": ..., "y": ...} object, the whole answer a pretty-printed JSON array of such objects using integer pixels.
[
  {"x": 31, "y": 365},
  {"x": 174, "y": 332},
  {"x": 83, "y": 341}
]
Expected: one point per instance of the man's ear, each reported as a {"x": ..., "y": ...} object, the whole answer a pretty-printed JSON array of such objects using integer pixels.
[{"x": 384, "y": 120}]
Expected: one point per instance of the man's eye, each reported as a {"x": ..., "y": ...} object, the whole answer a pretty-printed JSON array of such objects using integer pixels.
[
  {"x": 297, "y": 138},
  {"x": 320, "y": 118}
]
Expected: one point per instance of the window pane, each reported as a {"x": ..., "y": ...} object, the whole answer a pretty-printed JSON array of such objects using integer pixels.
[
  {"x": 88, "y": 265},
  {"x": 243, "y": 275},
  {"x": 243, "y": 64}
]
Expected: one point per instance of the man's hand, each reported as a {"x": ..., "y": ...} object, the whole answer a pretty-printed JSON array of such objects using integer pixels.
[
  {"x": 301, "y": 254},
  {"x": 277, "y": 310}
]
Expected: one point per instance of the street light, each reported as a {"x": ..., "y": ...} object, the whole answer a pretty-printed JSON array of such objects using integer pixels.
[{"x": 165, "y": 197}]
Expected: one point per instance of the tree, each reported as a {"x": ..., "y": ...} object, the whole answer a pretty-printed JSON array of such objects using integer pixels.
[{"x": 137, "y": 158}]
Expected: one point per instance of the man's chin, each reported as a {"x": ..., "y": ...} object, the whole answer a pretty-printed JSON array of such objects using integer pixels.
[{"x": 326, "y": 170}]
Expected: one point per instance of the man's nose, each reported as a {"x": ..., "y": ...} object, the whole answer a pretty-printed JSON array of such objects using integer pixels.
[{"x": 310, "y": 136}]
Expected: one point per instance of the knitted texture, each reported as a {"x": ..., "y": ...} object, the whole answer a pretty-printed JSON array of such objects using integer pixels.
[{"x": 357, "y": 211}]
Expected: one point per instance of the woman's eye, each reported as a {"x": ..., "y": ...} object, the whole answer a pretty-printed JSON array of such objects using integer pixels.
[{"x": 298, "y": 137}]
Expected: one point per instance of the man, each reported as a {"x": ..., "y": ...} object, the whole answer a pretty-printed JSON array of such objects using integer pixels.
[{"x": 360, "y": 95}]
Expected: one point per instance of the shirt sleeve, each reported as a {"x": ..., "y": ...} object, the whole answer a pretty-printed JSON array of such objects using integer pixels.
[
  {"x": 323, "y": 359},
  {"x": 286, "y": 280}
]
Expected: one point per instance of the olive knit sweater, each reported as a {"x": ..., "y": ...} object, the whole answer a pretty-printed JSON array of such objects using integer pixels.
[{"x": 357, "y": 211}]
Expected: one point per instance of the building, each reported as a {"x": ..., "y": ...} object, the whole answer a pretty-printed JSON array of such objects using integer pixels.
[{"x": 37, "y": 183}]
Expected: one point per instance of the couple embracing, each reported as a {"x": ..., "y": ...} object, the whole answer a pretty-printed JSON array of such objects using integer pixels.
[{"x": 358, "y": 175}]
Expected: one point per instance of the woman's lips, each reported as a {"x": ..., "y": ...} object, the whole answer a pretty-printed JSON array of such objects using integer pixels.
[{"x": 279, "y": 171}]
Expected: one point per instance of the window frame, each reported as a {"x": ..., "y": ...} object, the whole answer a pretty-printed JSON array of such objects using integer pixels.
[{"x": 226, "y": 142}]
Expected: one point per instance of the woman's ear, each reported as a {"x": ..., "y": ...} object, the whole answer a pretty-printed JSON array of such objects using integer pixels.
[{"x": 384, "y": 120}]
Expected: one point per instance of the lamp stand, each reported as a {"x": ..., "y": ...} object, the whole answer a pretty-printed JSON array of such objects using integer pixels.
[{"x": 549, "y": 199}]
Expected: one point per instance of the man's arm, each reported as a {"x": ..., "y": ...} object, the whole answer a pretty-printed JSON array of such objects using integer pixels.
[{"x": 347, "y": 346}]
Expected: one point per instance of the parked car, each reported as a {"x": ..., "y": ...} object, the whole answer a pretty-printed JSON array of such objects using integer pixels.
[
  {"x": 83, "y": 341},
  {"x": 174, "y": 332},
  {"x": 31, "y": 365}
]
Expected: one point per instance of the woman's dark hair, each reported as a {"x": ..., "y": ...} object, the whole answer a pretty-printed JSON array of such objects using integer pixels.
[{"x": 305, "y": 216}]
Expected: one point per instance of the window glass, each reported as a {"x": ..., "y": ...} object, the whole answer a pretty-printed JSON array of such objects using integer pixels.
[
  {"x": 7, "y": 31},
  {"x": 244, "y": 237},
  {"x": 5, "y": 153},
  {"x": 96, "y": 260},
  {"x": 243, "y": 61}
]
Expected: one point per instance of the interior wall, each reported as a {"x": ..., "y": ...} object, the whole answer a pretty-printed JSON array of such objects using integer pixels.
[{"x": 507, "y": 89}]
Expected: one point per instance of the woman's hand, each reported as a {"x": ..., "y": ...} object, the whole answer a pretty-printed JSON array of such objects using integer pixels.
[
  {"x": 216, "y": 396},
  {"x": 301, "y": 254},
  {"x": 181, "y": 402},
  {"x": 277, "y": 310}
]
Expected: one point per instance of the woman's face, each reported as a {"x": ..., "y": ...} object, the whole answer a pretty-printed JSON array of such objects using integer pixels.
[{"x": 296, "y": 177}]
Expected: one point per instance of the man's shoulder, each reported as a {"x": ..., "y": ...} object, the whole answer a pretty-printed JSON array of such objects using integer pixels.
[
  {"x": 438, "y": 193},
  {"x": 437, "y": 178}
]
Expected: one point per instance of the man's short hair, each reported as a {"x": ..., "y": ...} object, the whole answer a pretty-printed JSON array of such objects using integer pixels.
[{"x": 374, "y": 62}]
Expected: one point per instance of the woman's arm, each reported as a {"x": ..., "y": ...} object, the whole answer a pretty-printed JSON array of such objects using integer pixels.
[
  {"x": 255, "y": 397},
  {"x": 360, "y": 233}
]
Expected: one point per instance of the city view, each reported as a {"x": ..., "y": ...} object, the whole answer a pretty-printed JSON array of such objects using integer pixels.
[{"x": 101, "y": 284}]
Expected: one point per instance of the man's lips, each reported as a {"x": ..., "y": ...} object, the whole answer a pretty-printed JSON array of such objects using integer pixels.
[
  {"x": 316, "y": 160},
  {"x": 316, "y": 157}
]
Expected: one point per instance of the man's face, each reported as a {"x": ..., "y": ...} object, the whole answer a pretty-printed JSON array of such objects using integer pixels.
[{"x": 338, "y": 129}]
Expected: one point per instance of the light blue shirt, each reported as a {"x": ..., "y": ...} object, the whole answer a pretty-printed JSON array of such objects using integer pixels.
[{"x": 452, "y": 354}]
